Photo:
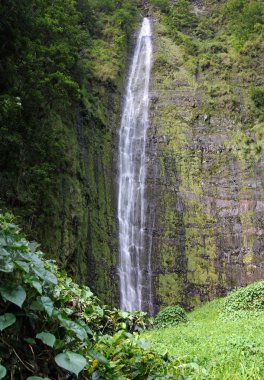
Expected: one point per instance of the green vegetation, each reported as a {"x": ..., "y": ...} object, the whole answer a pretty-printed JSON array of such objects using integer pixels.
[
  {"x": 170, "y": 316},
  {"x": 51, "y": 327},
  {"x": 181, "y": 18},
  {"x": 257, "y": 95},
  {"x": 208, "y": 118},
  {"x": 245, "y": 19},
  {"x": 61, "y": 75},
  {"x": 227, "y": 347},
  {"x": 62, "y": 69},
  {"x": 244, "y": 301}
]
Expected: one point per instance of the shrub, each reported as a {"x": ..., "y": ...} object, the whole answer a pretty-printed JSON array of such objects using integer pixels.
[
  {"x": 245, "y": 18},
  {"x": 181, "y": 18},
  {"x": 257, "y": 95},
  {"x": 245, "y": 301},
  {"x": 53, "y": 328},
  {"x": 170, "y": 316}
]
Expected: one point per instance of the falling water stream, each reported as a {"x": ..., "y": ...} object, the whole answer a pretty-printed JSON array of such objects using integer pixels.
[{"x": 134, "y": 255}]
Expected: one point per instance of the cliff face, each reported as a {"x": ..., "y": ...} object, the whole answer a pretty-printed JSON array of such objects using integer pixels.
[
  {"x": 205, "y": 182},
  {"x": 62, "y": 71},
  {"x": 60, "y": 103}
]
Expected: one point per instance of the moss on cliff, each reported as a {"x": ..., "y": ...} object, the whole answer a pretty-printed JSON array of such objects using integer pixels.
[
  {"x": 210, "y": 160},
  {"x": 60, "y": 105}
]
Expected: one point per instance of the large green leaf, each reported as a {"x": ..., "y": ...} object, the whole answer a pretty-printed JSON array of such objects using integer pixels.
[
  {"x": 74, "y": 327},
  {"x": 23, "y": 265},
  {"x": 7, "y": 320},
  {"x": 15, "y": 295},
  {"x": 87, "y": 293},
  {"x": 45, "y": 275},
  {"x": 37, "y": 378},
  {"x": 71, "y": 362},
  {"x": 2, "y": 372},
  {"x": 37, "y": 285},
  {"x": 37, "y": 305},
  {"x": 6, "y": 264},
  {"x": 47, "y": 338},
  {"x": 47, "y": 304},
  {"x": 4, "y": 252}
]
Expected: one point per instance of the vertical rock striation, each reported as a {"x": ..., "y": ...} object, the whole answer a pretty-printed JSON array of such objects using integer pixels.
[{"x": 207, "y": 196}]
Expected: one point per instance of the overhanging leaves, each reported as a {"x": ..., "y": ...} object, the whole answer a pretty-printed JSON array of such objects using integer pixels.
[
  {"x": 47, "y": 338},
  {"x": 74, "y": 327},
  {"x": 45, "y": 275},
  {"x": 47, "y": 304},
  {"x": 7, "y": 320},
  {"x": 71, "y": 362},
  {"x": 15, "y": 295}
]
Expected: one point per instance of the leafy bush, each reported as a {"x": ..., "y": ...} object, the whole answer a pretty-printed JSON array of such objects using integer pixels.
[
  {"x": 257, "y": 95},
  {"x": 170, "y": 316},
  {"x": 54, "y": 329},
  {"x": 245, "y": 18},
  {"x": 181, "y": 18},
  {"x": 245, "y": 301}
]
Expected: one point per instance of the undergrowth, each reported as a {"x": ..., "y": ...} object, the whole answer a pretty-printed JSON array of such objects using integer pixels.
[
  {"x": 52, "y": 328},
  {"x": 244, "y": 302}
]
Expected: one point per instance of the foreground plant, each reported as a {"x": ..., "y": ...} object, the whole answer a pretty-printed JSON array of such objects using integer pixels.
[{"x": 51, "y": 328}]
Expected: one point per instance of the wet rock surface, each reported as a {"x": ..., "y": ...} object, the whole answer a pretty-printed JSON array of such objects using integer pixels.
[{"x": 206, "y": 199}]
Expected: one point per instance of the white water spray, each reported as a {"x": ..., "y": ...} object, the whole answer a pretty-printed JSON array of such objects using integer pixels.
[{"x": 134, "y": 257}]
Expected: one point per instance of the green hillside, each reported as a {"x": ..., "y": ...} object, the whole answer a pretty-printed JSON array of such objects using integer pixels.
[{"x": 224, "y": 337}]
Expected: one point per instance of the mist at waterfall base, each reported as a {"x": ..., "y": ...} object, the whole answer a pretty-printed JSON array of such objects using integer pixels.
[{"x": 134, "y": 255}]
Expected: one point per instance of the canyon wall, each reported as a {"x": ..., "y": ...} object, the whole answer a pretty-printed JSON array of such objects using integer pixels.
[
  {"x": 205, "y": 183},
  {"x": 63, "y": 68}
]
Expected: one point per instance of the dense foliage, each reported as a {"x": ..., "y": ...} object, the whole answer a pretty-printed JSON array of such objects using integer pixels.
[
  {"x": 246, "y": 19},
  {"x": 62, "y": 62},
  {"x": 244, "y": 301},
  {"x": 51, "y": 327},
  {"x": 222, "y": 41},
  {"x": 170, "y": 316},
  {"x": 257, "y": 95}
]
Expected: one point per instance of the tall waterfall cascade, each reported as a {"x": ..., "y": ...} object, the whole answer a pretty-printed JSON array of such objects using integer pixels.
[{"x": 134, "y": 252}]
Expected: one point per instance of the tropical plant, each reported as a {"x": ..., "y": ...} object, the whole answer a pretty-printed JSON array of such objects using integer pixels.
[{"x": 54, "y": 329}]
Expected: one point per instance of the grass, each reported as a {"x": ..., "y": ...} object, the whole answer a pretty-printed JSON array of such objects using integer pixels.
[{"x": 227, "y": 349}]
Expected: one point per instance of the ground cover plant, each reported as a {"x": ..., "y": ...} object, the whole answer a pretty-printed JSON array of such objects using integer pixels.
[
  {"x": 225, "y": 336},
  {"x": 170, "y": 316}
]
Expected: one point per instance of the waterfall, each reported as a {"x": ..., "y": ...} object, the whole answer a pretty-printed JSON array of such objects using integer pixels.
[{"x": 134, "y": 254}]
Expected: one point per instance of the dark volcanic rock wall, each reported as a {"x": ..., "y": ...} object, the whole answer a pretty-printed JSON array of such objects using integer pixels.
[
  {"x": 60, "y": 102},
  {"x": 206, "y": 193}
]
